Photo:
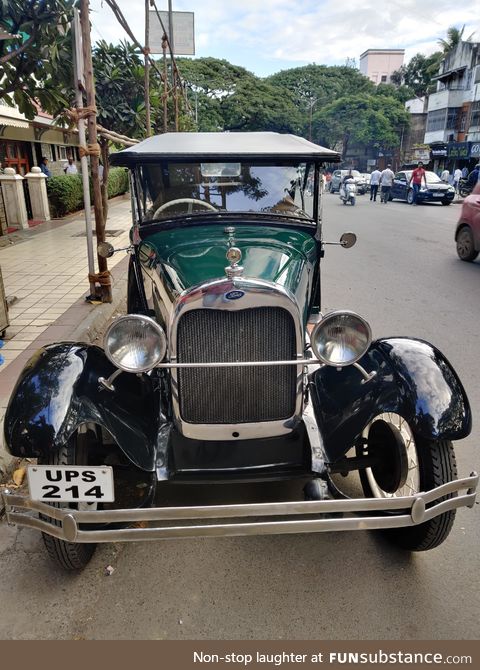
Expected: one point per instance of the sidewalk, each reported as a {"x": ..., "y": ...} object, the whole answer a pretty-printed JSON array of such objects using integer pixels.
[{"x": 46, "y": 270}]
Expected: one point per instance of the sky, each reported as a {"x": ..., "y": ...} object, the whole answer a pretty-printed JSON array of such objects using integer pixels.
[{"x": 266, "y": 36}]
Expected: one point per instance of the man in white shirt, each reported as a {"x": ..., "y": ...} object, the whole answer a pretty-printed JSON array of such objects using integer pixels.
[
  {"x": 71, "y": 168},
  {"x": 457, "y": 175},
  {"x": 374, "y": 182},
  {"x": 445, "y": 176},
  {"x": 386, "y": 182}
]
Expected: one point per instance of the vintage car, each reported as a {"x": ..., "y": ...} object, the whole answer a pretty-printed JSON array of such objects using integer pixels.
[{"x": 225, "y": 371}]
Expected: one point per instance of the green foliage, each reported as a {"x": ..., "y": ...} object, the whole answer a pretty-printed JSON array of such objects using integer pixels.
[
  {"x": 229, "y": 97},
  {"x": 37, "y": 65},
  {"x": 117, "y": 181},
  {"x": 418, "y": 73},
  {"x": 65, "y": 192},
  {"x": 120, "y": 89},
  {"x": 370, "y": 120},
  {"x": 454, "y": 37}
]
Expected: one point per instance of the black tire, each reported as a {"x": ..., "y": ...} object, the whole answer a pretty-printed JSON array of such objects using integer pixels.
[
  {"x": 70, "y": 556},
  {"x": 445, "y": 203},
  {"x": 464, "y": 192},
  {"x": 410, "y": 196},
  {"x": 466, "y": 245},
  {"x": 437, "y": 466}
]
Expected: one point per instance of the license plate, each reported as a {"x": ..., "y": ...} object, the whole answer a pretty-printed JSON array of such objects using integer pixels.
[
  {"x": 438, "y": 195},
  {"x": 71, "y": 483}
]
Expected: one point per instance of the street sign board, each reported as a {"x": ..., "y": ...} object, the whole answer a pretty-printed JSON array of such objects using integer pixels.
[{"x": 183, "y": 32}]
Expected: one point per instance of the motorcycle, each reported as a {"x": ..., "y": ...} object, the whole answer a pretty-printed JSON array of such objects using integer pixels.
[
  {"x": 464, "y": 188},
  {"x": 348, "y": 191}
]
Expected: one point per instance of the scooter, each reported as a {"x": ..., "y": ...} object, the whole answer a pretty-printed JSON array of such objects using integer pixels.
[
  {"x": 348, "y": 191},
  {"x": 464, "y": 188}
]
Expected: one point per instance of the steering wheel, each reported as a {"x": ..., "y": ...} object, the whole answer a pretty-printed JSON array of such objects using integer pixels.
[{"x": 183, "y": 201}]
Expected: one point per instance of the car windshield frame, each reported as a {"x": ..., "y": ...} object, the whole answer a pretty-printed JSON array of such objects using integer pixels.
[{"x": 293, "y": 193}]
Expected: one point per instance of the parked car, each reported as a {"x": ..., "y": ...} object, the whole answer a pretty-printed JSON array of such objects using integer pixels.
[
  {"x": 437, "y": 191},
  {"x": 212, "y": 376},
  {"x": 338, "y": 176},
  {"x": 467, "y": 233}
]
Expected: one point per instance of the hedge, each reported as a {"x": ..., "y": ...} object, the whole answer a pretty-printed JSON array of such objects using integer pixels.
[{"x": 65, "y": 192}]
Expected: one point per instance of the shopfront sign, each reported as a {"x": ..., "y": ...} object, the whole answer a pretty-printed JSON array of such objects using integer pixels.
[
  {"x": 458, "y": 149},
  {"x": 475, "y": 150},
  {"x": 422, "y": 155},
  {"x": 438, "y": 152}
]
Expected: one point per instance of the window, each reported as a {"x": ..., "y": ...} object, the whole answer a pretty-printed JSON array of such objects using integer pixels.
[
  {"x": 453, "y": 117},
  {"x": 436, "y": 120},
  {"x": 384, "y": 78},
  {"x": 62, "y": 152},
  {"x": 475, "y": 114}
]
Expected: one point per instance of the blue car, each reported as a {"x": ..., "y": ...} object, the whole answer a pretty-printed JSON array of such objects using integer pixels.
[{"x": 437, "y": 191}]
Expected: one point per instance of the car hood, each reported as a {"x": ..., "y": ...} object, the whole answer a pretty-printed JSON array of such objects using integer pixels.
[{"x": 190, "y": 255}]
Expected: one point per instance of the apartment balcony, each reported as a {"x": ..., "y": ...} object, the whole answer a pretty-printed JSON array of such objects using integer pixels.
[{"x": 453, "y": 97}]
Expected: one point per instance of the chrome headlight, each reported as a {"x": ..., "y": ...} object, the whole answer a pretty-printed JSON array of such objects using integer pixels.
[
  {"x": 341, "y": 338},
  {"x": 135, "y": 343}
]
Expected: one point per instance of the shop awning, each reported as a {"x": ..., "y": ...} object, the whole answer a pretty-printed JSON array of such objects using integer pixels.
[{"x": 13, "y": 123}]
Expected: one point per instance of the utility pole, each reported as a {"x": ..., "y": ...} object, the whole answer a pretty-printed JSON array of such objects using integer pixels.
[
  {"x": 146, "y": 51},
  {"x": 79, "y": 85},
  {"x": 93, "y": 150}
]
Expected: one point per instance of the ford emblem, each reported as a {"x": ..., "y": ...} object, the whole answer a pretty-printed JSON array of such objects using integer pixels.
[{"x": 234, "y": 295}]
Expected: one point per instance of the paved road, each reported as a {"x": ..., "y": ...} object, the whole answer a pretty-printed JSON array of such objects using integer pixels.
[{"x": 403, "y": 275}]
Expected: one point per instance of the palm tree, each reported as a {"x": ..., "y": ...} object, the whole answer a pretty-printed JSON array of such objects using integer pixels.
[{"x": 454, "y": 37}]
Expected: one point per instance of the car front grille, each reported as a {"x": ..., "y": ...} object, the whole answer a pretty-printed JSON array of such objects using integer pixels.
[{"x": 237, "y": 394}]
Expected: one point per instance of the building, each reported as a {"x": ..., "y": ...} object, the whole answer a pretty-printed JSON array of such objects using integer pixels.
[
  {"x": 23, "y": 143},
  {"x": 412, "y": 146},
  {"x": 453, "y": 121},
  {"x": 379, "y": 64}
]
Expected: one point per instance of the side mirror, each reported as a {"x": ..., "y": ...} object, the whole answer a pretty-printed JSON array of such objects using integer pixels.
[
  {"x": 105, "y": 249},
  {"x": 348, "y": 240}
]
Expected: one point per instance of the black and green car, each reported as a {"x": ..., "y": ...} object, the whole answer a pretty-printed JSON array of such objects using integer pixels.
[{"x": 224, "y": 376}]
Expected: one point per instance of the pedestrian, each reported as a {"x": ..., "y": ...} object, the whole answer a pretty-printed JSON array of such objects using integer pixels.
[
  {"x": 386, "y": 182},
  {"x": 416, "y": 181},
  {"x": 474, "y": 177},
  {"x": 457, "y": 175},
  {"x": 374, "y": 182},
  {"x": 465, "y": 172},
  {"x": 445, "y": 176},
  {"x": 70, "y": 168},
  {"x": 44, "y": 167}
]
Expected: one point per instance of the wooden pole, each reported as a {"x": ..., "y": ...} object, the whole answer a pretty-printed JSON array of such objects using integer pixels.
[
  {"x": 106, "y": 291},
  {"x": 148, "y": 124}
]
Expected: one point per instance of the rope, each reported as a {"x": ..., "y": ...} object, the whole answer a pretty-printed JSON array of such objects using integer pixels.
[
  {"x": 81, "y": 113},
  {"x": 102, "y": 278},
  {"x": 90, "y": 150}
]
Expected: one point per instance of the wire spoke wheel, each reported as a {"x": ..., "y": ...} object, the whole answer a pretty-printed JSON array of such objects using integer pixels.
[{"x": 406, "y": 463}]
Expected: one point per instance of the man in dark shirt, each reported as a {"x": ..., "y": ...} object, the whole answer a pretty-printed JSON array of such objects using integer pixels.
[{"x": 44, "y": 167}]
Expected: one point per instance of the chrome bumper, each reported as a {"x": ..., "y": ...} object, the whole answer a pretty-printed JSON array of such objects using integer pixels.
[{"x": 352, "y": 514}]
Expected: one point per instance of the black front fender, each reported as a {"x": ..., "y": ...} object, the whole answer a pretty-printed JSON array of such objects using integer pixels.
[
  {"x": 58, "y": 391},
  {"x": 412, "y": 379}
]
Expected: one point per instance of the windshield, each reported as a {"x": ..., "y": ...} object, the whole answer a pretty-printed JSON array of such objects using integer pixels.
[
  {"x": 432, "y": 178},
  {"x": 169, "y": 190}
]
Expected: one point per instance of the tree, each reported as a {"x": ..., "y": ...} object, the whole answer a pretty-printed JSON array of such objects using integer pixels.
[
  {"x": 454, "y": 37},
  {"x": 35, "y": 65},
  {"x": 418, "y": 73},
  {"x": 229, "y": 97},
  {"x": 361, "y": 119}
]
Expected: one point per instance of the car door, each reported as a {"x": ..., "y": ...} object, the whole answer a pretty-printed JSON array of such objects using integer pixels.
[{"x": 399, "y": 188}]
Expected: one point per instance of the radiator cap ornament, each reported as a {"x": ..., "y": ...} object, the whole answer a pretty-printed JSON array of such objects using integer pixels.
[{"x": 234, "y": 256}]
